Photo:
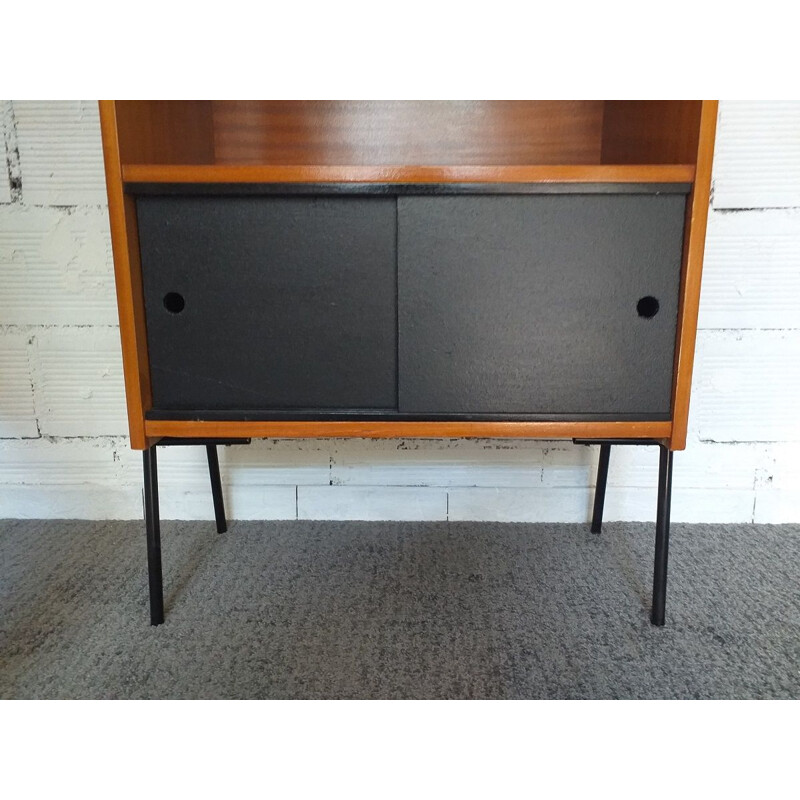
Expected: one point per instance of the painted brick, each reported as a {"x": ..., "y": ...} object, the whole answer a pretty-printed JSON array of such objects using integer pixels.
[
  {"x": 58, "y": 497},
  {"x": 782, "y": 468},
  {"x": 701, "y": 465},
  {"x": 713, "y": 466},
  {"x": 17, "y": 414},
  {"x": 5, "y": 178},
  {"x": 371, "y": 503},
  {"x": 544, "y": 504},
  {"x": 747, "y": 385},
  {"x": 78, "y": 382},
  {"x": 241, "y": 502},
  {"x": 410, "y": 462},
  {"x": 60, "y": 462},
  {"x": 757, "y": 155},
  {"x": 566, "y": 465},
  {"x": 303, "y": 462},
  {"x": 56, "y": 267},
  {"x": 778, "y": 486},
  {"x": 262, "y": 463},
  {"x": 777, "y": 506},
  {"x": 71, "y": 502},
  {"x": 688, "y": 505},
  {"x": 751, "y": 272},
  {"x": 60, "y": 152},
  {"x": 55, "y": 271},
  {"x": 563, "y": 504}
]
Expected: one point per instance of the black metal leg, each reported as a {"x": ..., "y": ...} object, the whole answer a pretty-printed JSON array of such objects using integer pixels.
[
  {"x": 153, "y": 536},
  {"x": 600, "y": 488},
  {"x": 216, "y": 488},
  {"x": 662, "y": 536}
]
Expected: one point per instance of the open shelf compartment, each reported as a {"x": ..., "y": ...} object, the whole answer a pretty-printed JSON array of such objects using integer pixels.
[{"x": 528, "y": 137}]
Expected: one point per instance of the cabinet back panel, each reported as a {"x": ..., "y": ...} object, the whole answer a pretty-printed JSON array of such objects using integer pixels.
[
  {"x": 651, "y": 131},
  {"x": 165, "y": 131},
  {"x": 270, "y": 302},
  {"x": 397, "y": 132},
  {"x": 528, "y": 304}
]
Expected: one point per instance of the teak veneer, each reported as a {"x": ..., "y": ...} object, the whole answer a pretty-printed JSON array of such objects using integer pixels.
[{"x": 408, "y": 269}]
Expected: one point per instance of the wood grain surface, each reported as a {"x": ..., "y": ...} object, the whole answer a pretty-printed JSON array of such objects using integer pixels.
[
  {"x": 366, "y": 132},
  {"x": 691, "y": 274},
  {"x": 425, "y": 430},
  {"x": 128, "y": 280},
  {"x": 570, "y": 173},
  {"x": 651, "y": 131}
]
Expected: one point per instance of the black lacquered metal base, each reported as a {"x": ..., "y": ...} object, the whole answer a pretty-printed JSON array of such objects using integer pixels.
[
  {"x": 600, "y": 488},
  {"x": 216, "y": 488},
  {"x": 662, "y": 536},
  {"x": 153, "y": 526},
  {"x": 151, "y": 511},
  {"x": 657, "y": 613},
  {"x": 152, "y": 522}
]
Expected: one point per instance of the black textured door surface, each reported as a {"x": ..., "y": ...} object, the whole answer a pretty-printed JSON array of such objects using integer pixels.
[
  {"x": 270, "y": 302},
  {"x": 539, "y": 304}
]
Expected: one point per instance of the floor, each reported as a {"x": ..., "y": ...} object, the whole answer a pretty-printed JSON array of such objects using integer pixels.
[{"x": 397, "y": 610}]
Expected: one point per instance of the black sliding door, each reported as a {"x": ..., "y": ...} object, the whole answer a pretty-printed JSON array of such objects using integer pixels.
[
  {"x": 553, "y": 304},
  {"x": 270, "y": 302}
]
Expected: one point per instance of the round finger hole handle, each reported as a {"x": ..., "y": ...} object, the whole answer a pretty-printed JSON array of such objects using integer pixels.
[
  {"x": 174, "y": 302},
  {"x": 647, "y": 307}
]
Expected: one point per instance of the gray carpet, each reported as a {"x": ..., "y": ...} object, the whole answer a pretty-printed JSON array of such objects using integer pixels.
[{"x": 397, "y": 610}]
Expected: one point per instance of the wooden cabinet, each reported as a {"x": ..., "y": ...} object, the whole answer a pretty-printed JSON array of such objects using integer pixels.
[{"x": 388, "y": 268}]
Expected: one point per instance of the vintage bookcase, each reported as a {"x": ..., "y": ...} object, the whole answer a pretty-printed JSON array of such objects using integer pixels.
[{"x": 524, "y": 269}]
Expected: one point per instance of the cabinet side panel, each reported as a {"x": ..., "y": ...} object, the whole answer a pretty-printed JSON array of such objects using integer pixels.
[
  {"x": 694, "y": 246},
  {"x": 128, "y": 279}
]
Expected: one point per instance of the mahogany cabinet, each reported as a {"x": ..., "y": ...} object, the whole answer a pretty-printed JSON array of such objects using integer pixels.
[{"x": 402, "y": 268}]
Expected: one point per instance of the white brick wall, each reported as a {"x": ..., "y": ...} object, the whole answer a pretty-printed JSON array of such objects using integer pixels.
[
  {"x": 6, "y": 135},
  {"x": 63, "y": 451},
  {"x": 758, "y": 156},
  {"x": 60, "y": 152},
  {"x": 17, "y": 413}
]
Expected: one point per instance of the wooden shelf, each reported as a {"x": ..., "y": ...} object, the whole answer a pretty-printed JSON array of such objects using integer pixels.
[{"x": 571, "y": 173}]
